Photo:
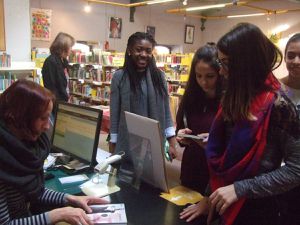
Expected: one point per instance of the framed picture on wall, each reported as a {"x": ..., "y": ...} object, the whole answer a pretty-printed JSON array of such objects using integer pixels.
[
  {"x": 150, "y": 30},
  {"x": 189, "y": 34},
  {"x": 115, "y": 27}
]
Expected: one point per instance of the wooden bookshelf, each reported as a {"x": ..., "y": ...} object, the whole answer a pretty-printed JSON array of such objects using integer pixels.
[{"x": 2, "y": 26}]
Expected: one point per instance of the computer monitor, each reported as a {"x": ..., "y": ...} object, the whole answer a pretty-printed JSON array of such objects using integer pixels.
[
  {"x": 76, "y": 132},
  {"x": 146, "y": 150}
]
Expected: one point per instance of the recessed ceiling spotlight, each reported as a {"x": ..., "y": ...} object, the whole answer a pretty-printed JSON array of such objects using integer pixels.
[
  {"x": 185, "y": 2},
  {"x": 87, "y": 8}
]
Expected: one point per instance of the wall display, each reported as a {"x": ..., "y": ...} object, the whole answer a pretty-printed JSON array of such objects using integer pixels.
[
  {"x": 151, "y": 30},
  {"x": 189, "y": 34},
  {"x": 115, "y": 27},
  {"x": 41, "y": 24},
  {"x": 2, "y": 30}
]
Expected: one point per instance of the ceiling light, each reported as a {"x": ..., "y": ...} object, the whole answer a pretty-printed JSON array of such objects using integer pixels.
[
  {"x": 184, "y": 2},
  {"x": 87, "y": 8},
  {"x": 205, "y": 7},
  {"x": 281, "y": 28},
  {"x": 247, "y": 15},
  {"x": 159, "y": 1}
]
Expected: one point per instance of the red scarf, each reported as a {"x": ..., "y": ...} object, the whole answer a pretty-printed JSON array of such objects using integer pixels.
[{"x": 240, "y": 157}]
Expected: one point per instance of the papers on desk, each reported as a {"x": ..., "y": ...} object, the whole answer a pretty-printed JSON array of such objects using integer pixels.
[
  {"x": 73, "y": 179},
  {"x": 182, "y": 195},
  {"x": 108, "y": 214},
  {"x": 49, "y": 161}
]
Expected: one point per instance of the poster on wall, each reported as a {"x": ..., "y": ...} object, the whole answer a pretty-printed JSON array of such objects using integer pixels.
[
  {"x": 115, "y": 27},
  {"x": 41, "y": 24},
  {"x": 150, "y": 30}
]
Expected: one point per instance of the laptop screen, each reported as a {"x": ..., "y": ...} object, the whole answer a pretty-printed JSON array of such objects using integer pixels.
[{"x": 76, "y": 131}]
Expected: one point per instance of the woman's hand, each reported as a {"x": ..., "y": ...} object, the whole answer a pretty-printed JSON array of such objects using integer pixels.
[
  {"x": 193, "y": 211},
  {"x": 84, "y": 201},
  {"x": 73, "y": 216},
  {"x": 184, "y": 141},
  {"x": 222, "y": 198}
]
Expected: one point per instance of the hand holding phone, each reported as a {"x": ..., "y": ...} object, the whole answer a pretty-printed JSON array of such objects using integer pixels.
[{"x": 195, "y": 137}]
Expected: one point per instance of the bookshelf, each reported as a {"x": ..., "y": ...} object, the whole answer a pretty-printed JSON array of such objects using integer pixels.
[
  {"x": 17, "y": 70},
  {"x": 90, "y": 76},
  {"x": 176, "y": 68},
  {"x": 91, "y": 73}
]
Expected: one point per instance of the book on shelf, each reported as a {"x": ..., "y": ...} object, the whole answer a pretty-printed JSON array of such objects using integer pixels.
[
  {"x": 108, "y": 214},
  {"x": 5, "y": 60}
]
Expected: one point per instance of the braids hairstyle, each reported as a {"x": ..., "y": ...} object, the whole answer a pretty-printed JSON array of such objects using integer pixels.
[
  {"x": 252, "y": 57},
  {"x": 194, "y": 96},
  {"x": 62, "y": 43},
  {"x": 129, "y": 65},
  {"x": 294, "y": 38}
]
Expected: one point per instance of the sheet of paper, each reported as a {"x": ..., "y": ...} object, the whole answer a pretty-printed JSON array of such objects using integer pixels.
[
  {"x": 73, "y": 179},
  {"x": 182, "y": 195}
]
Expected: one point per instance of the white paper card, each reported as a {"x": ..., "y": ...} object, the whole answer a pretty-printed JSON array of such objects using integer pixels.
[{"x": 73, "y": 179}]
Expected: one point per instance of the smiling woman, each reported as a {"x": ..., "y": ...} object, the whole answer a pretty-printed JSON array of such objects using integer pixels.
[{"x": 140, "y": 88}]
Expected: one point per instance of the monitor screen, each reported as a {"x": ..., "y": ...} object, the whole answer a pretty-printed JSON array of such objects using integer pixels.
[
  {"x": 76, "y": 131},
  {"x": 146, "y": 150}
]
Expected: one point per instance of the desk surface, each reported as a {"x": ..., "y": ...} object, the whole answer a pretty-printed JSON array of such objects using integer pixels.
[{"x": 143, "y": 206}]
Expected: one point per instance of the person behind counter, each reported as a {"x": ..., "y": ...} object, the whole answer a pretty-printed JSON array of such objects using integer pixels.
[{"x": 25, "y": 108}]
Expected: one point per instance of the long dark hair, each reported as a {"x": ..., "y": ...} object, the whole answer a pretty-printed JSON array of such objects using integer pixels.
[
  {"x": 22, "y": 104},
  {"x": 129, "y": 67},
  {"x": 194, "y": 94},
  {"x": 252, "y": 56}
]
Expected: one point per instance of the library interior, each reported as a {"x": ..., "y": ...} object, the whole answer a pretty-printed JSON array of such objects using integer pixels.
[{"x": 117, "y": 111}]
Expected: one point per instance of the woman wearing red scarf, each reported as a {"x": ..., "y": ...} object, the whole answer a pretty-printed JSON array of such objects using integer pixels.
[{"x": 255, "y": 128}]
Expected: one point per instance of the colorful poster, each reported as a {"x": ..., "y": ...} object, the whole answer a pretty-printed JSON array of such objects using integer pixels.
[{"x": 41, "y": 24}]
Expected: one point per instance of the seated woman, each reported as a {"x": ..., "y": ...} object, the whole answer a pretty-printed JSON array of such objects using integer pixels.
[{"x": 25, "y": 108}]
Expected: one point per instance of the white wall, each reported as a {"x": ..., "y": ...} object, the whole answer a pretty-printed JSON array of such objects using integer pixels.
[
  {"x": 216, "y": 28},
  {"x": 17, "y": 29},
  {"x": 68, "y": 16}
]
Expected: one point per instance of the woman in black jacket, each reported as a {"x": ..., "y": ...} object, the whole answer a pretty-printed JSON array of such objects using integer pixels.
[{"x": 55, "y": 69}]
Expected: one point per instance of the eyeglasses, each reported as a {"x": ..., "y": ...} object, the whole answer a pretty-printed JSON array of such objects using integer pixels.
[{"x": 222, "y": 64}]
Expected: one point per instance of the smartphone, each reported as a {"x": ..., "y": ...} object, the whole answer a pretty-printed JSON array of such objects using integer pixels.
[{"x": 195, "y": 137}]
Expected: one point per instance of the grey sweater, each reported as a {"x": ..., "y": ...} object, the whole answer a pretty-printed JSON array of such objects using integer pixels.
[{"x": 120, "y": 101}]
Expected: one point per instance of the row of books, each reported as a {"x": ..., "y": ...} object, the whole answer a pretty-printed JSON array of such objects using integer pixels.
[
  {"x": 5, "y": 60},
  {"x": 91, "y": 72},
  {"x": 95, "y": 92},
  {"x": 6, "y": 81},
  {"x": 97, "y": 57}
]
